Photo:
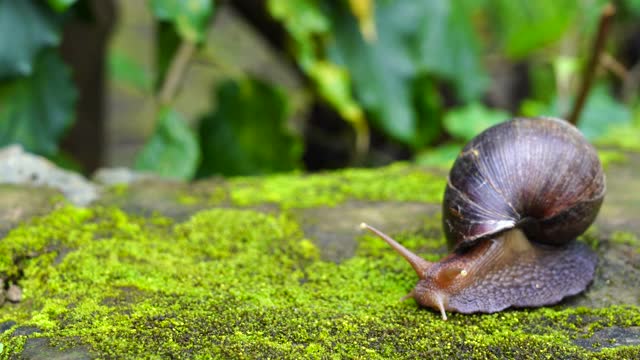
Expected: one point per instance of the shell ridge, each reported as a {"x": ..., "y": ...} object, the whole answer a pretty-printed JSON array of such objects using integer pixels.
[
  {"x": 483, "y": 173},
  {"x": 466, "y": 198}
]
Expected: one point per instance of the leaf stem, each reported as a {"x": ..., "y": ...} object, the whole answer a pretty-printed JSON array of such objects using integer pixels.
[
  {"x": 176, "y": 71},
  {"x": 589, "y": 72},
  {"x": 614, "y": 66}
]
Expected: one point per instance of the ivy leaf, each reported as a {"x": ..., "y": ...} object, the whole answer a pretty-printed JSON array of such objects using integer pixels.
[
  {"x": 248, "y": 132},
  {"x": 61, "y": 5},
  {"x": 466, "y": 122},
  {"x": 173, "y": 149},
  {"x": 25, "y": 29},
  {"x": 190, "y": 17},
  {"x": 36, "y": 110}
]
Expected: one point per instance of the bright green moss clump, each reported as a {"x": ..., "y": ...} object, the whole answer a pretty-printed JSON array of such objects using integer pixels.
[
  {"x": 398, "y": 182},
  {"x": 626, "y": 238},
  {"x": 238, "y": 283}
]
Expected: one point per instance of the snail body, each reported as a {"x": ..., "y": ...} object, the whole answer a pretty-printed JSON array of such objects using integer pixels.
[{"x": 516, "y": 198}]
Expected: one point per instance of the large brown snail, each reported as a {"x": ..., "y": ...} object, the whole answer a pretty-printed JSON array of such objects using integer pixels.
[{"x": 516, "y": 198}]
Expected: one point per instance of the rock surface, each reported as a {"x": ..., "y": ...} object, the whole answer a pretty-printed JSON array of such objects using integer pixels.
[
  {"x": 19, "y": 167},
  {"x": 276, "y": 267}
]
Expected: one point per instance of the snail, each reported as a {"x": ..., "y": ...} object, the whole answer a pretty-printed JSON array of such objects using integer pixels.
[{"x": 516, "y": 198}]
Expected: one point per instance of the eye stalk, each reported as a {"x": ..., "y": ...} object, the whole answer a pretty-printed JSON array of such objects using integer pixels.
[{"x": 420, "y": 265}]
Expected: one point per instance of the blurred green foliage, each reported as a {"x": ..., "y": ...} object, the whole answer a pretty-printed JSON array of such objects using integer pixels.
[
  {"x": 248, "y": 132},
  {"x": 25, "y": 30},
  {"x": 420, "y": 73},
  {"x": 190, "y": 18},
  {"x": 173, "y": 149},
  {"x": 37, "y": 109}
]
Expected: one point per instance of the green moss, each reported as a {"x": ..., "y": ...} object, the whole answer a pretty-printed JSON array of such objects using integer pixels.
[
  {"x": 591, "y": 237},
  {"x": 119, "y": 189},
  {"x": 608, "y": 157},
  {"x": 242, "y": 284},
  {"x": 398, "y": 182},
  {"x": 626, "y": 238},
  {"x": 622, "y": 137},
  {"x": 187, "y": 199}
]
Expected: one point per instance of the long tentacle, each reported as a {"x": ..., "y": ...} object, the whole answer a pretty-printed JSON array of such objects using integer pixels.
[{"x": 419, "y": 264}]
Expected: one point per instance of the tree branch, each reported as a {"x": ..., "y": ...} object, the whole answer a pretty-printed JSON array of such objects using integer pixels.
[{"x": 590, "y": 70}]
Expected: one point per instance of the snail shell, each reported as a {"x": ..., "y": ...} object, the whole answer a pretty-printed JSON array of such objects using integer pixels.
[
  {"x": 540, "y": 175},
  {"x": 516, "y": 198}
]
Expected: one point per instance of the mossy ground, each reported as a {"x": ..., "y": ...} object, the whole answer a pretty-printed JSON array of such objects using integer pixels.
[
  {"x": 398, "y": 182},
  {"x": 244, "y": 284}
]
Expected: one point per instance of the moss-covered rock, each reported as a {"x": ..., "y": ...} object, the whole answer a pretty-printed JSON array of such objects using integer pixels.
[{"x": 275, "y": 268}]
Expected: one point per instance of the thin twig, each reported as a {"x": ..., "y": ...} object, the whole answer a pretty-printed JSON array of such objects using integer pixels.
[
  {"x": 176, "y": 71},
  {"x": 589, "y": 71},
  {"x": 610, "y": 63}
]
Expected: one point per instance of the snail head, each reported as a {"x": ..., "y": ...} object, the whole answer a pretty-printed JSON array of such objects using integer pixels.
[{"x": 433, "y": 277}]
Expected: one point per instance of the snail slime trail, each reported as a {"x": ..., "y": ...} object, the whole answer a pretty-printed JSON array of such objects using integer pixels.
[{"x": 516, "y": 198}]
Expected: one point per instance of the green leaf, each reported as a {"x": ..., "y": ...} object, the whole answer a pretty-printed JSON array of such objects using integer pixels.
[
  {"x": 25, "y": 29},
  {"x": 126, "y": 70},
  {"x": 524, "y": 26},
  {"x": 364, "y": 11},
  {"x": 36, "y": 110},
  {"x": 381, "y": 71},
  {"x": 448, "y": 45},
  {"x": 429, "y": 108},
  {"x": 173, "y": 150},
  {"x": 302, "y": 18},
  {"x": 248, "y": 132},
  {"x": 413, "y": 38},
  {"x": 190, "y": 17},
  {"x": 61, "y": 5},
  {"x": 633, "y": 6},
  {"x": 305, "y": 22},
  {"x": 467, "y": 122},
  {"x": 333, "y": 84}
]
